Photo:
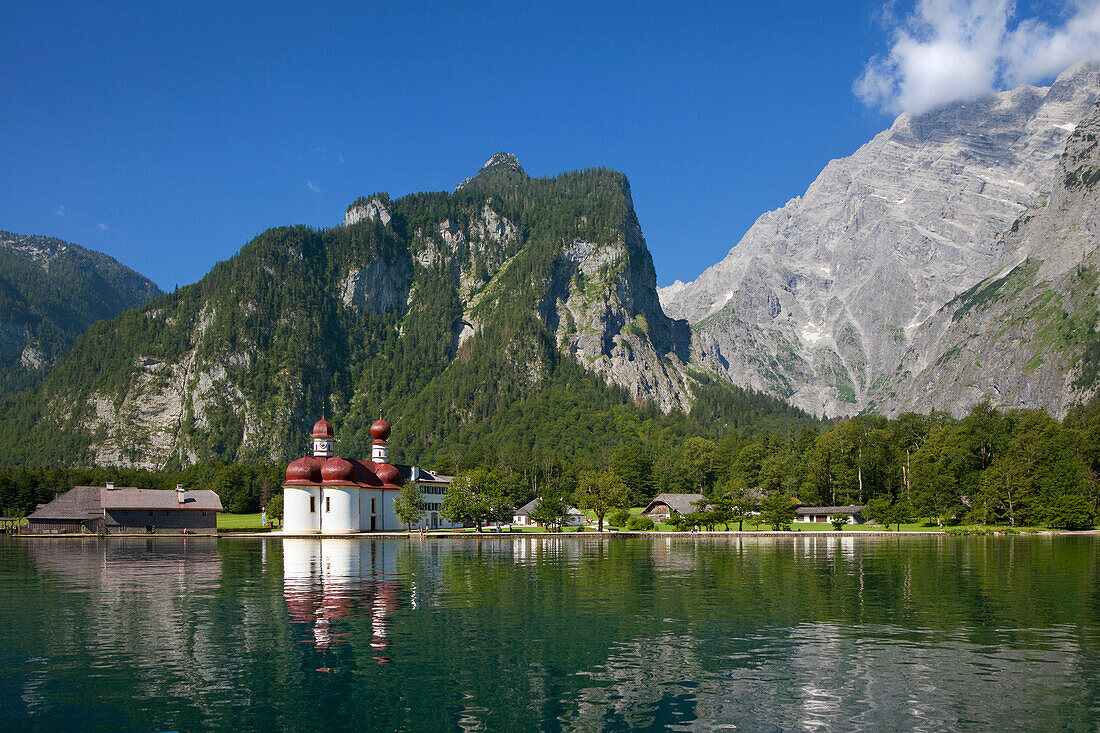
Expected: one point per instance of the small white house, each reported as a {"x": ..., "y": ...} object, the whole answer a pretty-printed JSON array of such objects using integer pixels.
[
  {"x": 825, "y": 514},
  {"x": 522, "y": 516}
]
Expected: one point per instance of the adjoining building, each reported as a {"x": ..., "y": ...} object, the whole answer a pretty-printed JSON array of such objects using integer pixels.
[
  {"x": 128, "y": 510},
  {"x": 661, "y": 508},
  {"x": 327, "y": 494},
  {"x": 850, "y": 514},
  {"x": 573, "y": 517},
  {"x": 433, "y": 487}
]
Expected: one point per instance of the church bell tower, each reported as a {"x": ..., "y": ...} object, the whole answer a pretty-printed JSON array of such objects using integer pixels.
[{"x": 323, "y": 438}]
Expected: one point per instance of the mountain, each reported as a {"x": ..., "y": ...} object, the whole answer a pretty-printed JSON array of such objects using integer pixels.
[
  {"x": 515, "y": 312},
  {"x": 50, "y": 292},
  {"x": 1026, "y": 336},
  {"x": 822, "y": 299}
]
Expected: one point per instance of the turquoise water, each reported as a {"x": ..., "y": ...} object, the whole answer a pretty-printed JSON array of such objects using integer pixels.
[{"x": 551, "y": 633}]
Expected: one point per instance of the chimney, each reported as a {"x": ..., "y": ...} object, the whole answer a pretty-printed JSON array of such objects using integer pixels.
[
  {"x": 110, "y": 486},
  {"x": 180, "y": 493}
]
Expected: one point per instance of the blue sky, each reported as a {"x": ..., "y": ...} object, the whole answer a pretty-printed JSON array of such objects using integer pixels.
[{"x": 167, "y": 135}]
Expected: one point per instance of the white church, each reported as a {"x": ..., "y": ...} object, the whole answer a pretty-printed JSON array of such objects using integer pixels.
[{"x": 327, "y": 494}]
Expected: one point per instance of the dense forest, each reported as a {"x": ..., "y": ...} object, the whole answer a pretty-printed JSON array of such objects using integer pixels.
[
  {"x": 1017, "y": 468},
  {"x": 50, "y": 292}
]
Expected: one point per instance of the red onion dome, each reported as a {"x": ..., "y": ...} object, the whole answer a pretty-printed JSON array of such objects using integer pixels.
[
  {"x": 336, "y": 470},
  {"x": 380, "y": 430},
  {"x": 388, "y": 474},
  {"x": 300, "y": 470},
  {"x": 323, "y": 429}
]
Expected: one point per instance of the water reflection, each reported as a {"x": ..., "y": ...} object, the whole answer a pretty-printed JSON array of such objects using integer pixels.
[
  {"x": 331, "y": 580},
  {"x": 551, "y": 633},
  {"x": 143, "y": 564}
]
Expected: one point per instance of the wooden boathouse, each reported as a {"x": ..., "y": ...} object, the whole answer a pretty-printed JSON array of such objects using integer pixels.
[{"x": 127, "y": 510}]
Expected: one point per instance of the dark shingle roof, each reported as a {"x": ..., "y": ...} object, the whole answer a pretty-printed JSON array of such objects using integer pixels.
[
  {"x": 851, "y": 509},
  {"x": 194, "y": 499},
  {"x": 77, "y": 504},
  {"x": 681, "y": 503},
  {"x": 530, "y": 506},
  {"x": 425, "y": 474}
]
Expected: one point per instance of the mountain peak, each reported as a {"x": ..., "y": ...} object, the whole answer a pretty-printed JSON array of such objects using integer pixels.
[
  {"x": 499, "y": 164},
  {"x": 503, "y": 160}
]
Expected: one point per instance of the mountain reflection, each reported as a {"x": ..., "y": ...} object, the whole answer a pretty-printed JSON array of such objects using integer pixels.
[
  {"x": 330, "y": 580},
  {"x": 551, "y": 633}
]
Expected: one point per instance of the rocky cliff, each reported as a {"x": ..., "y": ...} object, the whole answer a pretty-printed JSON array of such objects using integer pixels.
[
  {"x": 822, "y": 299},
  {"x": 1026, "y": 336}
]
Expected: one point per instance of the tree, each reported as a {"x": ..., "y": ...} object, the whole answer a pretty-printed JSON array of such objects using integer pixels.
[
  {"x": 275, "y": 509},
  {"x": 696, "y": 464},
  {"x": 599, "y": 492},
  {"x": 618, "y": 518},
  {"x": 475, "y": 497},
  {"x": 739, "y": 501},
  {"x": 838, "y": 523},
  {"x": 885, "y": 511},
  {"x": 551, "y": 512},
  {"x": 631, "y": 462},
  {"x": 777, "y": 510},
  {"x": 409, "y": 505},
  {"x": 1070, "y": 511}
]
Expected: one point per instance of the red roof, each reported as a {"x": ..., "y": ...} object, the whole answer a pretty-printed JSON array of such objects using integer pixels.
[
  {"x": 336, "y": 471},
  {"x": 380, "y": 430},
  {"x": 323, "y": 429}
]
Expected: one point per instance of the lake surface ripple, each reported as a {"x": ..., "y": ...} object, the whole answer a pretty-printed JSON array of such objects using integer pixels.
[{"x": 551, "y": 633}]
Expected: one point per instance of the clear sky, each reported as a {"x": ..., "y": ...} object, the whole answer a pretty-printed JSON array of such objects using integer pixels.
[{"x": 168, "y": 134}]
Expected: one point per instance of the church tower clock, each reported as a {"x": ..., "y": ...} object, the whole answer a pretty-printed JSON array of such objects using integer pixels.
[{"x": 323, "y": 439}]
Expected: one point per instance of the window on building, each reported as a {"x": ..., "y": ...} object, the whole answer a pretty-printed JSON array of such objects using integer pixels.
[
  {"x": 328, "y": 503},
  {"x": 312, "y": 504}
]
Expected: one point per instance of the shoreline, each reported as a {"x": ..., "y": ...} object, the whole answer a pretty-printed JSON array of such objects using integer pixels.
[{"x": 768, "y": 534}]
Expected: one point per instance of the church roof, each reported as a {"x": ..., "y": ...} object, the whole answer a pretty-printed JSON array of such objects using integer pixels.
[{"x": 337, "y": 471}]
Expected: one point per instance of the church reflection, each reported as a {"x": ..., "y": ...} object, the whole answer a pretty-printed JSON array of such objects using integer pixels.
[{"x": 331, "y": 580}]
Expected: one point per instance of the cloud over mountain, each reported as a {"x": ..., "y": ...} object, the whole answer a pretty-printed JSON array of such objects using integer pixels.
[{"x": 949, "y": 50}]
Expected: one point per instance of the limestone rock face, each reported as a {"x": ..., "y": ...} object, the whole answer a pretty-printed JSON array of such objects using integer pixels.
[
  {"x": 602, "y": 304},
  {"x": 821, "y": 299},
  {"x": 1026, "y": 336},
  {"x": 373, "y": 208},
  {"x": 380, "y": 287}
]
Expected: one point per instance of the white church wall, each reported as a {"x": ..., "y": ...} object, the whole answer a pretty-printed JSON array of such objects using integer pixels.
[
  {"x": 297, "y": 517},
  {"x": 340, "y": 509}
]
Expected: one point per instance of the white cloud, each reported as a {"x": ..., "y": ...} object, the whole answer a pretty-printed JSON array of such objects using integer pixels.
[
  {"x": 311, "y": 187},
  {"x": 102, "y": 226},
  {"x": 61, "y": 210},
  {"x": 949, "y": 50}
]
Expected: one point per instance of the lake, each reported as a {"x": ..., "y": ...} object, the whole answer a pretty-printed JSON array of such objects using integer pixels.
[{"x": 551, "y": 633}]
